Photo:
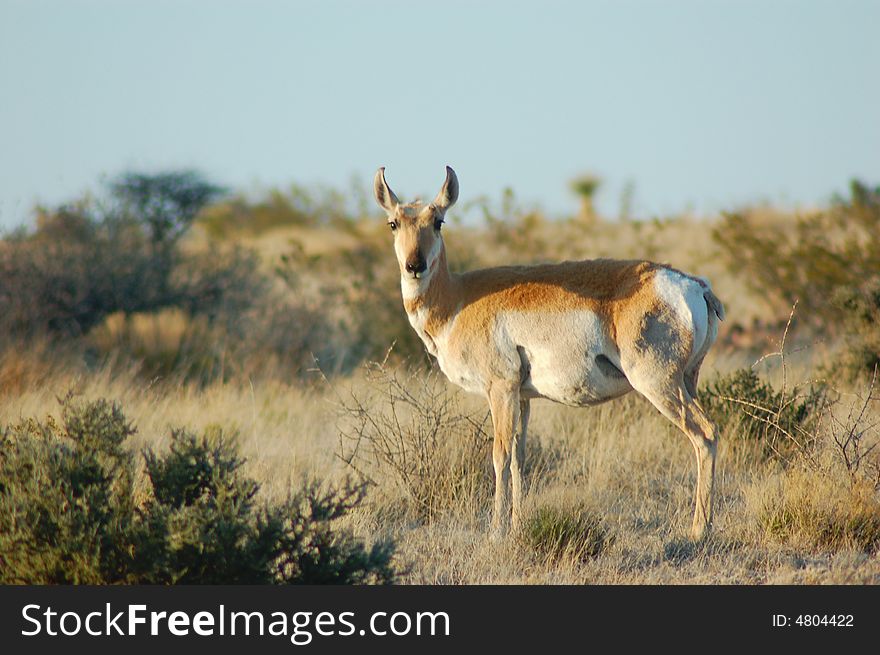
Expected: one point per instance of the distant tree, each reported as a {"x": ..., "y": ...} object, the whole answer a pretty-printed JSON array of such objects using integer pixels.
[
  {"x": 165, "y": 203},
  {"x": 94, "y": 257},
  {"x": 585, "y": 188}
]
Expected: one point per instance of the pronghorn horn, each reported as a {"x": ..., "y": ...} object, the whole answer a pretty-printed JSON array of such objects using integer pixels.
[
  {"x": 384, "y": 195},
  {"x": 449, "y": 192}
]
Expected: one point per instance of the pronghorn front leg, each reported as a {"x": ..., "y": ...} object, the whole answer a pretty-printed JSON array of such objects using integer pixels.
[{"x": 504, "y": 405}]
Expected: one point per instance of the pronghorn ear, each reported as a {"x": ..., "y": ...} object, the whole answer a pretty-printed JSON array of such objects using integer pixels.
[
  {"x": 449, "y": 193},
  {"x": 384, "y": 195}
]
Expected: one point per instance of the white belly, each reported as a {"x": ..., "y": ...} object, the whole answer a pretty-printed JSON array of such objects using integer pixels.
[{"x": 568, "y": 356}]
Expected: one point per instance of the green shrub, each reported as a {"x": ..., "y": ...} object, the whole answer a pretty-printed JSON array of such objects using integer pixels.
[
  {"x": 860, "y": 312},
  {"x": 87, "y": 260},
  {"x": 828, "y": 261},
  {"x": 222, "y": 285},
  {"x": 87, "y": 265},
  {"x": 277, "y": 208},
  {"x": 745, "y": 407},
  {"x": 70, "y": 512},
  {"x": 557, "y": 533},
  {"x": 66, "y": 498},
  {"x": 72, "y": 272}
]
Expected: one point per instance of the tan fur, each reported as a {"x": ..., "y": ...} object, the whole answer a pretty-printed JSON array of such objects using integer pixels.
[
  {"x": 617, "y": 290},
  {"x": 614, "y": 289},
  {"x": 627, "y": 324}
]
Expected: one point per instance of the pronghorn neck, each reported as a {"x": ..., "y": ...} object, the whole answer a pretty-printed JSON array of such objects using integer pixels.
[{"x": 430, "y": 302}]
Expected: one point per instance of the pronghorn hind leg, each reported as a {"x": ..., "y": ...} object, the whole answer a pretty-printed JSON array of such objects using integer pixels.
[
  {"x": 677, "y": 404},
  {"x": 505, "y": 407},
  {"x": 517, "y": 463},
  {"x": 691, "y": 377},
  {"x": 705, "y": 443}
]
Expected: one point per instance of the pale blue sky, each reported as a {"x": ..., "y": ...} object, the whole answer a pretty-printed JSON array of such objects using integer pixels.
[{"x": 702, "y": 104}]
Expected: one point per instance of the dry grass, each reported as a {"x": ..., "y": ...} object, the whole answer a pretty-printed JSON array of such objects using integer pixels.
[
  {"x": 622, "y": 460},
  {"x": 619, "y": 469}
]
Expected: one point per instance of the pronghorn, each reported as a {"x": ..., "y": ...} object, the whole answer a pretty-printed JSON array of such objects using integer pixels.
[{"x": 578, "y": 333}]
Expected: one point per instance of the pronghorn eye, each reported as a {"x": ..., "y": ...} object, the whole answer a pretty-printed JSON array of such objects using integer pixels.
[
  {"x": 438, "y": 223},
  {"x": 392, "y": 225}
]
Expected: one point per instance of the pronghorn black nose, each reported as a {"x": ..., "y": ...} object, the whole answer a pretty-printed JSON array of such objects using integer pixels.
[{"x": 416, "y": 264}]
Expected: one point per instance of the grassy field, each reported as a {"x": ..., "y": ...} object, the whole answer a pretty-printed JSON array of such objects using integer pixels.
[{"x": 610, "y": 488}]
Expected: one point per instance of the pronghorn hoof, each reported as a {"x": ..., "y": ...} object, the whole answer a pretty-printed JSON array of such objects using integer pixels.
[
  {"x": 497, "y": 535},
  {"x": 699, "y": 534}
]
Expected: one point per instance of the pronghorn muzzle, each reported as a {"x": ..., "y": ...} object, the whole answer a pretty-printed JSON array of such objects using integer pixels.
[{"x": 416, "y": 264}]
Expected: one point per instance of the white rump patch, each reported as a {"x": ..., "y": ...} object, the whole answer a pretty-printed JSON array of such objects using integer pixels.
[{"x": 685, "y": 296}]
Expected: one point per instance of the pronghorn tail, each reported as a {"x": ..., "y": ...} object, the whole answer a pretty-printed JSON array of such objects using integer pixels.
[{"x": 711, "y": 299}]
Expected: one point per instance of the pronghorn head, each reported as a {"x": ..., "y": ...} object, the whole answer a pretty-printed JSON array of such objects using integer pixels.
[{"x": 416, "y": 226}]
